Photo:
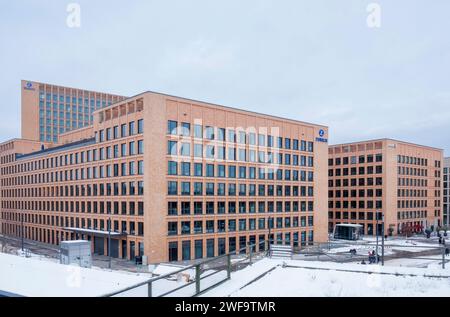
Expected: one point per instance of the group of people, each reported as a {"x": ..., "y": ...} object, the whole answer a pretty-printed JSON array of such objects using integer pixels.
[{"x": 372, "y": 258}]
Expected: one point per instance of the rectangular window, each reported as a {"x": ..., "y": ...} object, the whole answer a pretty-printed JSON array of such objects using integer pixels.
[
  {"x": 140, "y": 126},
  {"x": 198, "y": 131},
  {"x": 198, "y": 169},
  {"x": 185, "y": 169},
  {"x": 198, "y": 150},
  {"x": 131, "y": 130},
  {"x": 172, "y": 127},
  {"x": 172, "y": 148},
  {"x": 210, "y": 248},
  {"x": 185, "y": 129},
  {"x": 198, "y": 249}
]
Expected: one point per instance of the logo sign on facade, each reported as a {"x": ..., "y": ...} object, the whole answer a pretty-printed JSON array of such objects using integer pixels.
[
  {"x": 321, "y": 137},
  {"x": 29, "y": 86}
]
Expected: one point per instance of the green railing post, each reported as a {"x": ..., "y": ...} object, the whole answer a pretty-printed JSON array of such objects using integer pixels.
[
  {"x": 443, "y": 258},
  {"x": 250, "y": 253},
  {"x": 150, "y": 293},
  {"x": 197, "y": 279}
]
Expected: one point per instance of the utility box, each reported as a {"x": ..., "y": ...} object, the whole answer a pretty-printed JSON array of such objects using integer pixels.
[{"x": 76, "y": 252}]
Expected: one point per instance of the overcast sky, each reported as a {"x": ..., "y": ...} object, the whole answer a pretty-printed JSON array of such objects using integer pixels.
[{"x": 315, "y": 61}]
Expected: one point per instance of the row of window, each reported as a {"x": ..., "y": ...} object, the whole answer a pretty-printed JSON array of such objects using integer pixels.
[
  {"x": 402, "y": 170},
  {"x": 361, "y": 215},
  {"x": 219, "y": 246},
  {"x": 403, "y": 159},
  {"x": 233, "y": 225},
  {"x": 102, "y": 102},
  {"x": 114, "y": 207},
  {"x": 412, "y": 204},
  {"x": 186, "y": 208},
  {"x": 123, "y": 150},
  {"x": 412, "y": 182},
  {"x": 370, "y": 204},
  {"x": 241, "y": 172},
  {"x": 362, "y": 159},
  {"x": 236, "y": 154},
  {"x": 126, "y": 226},
  {"x": 356, "y": 171},
  {"x": 412, "y": 193},
  {"x": 353, "y": 182},
  {"x": 95, "y": 172},
  {"x": 355, "y": 193},
  {"x": 240, "y": 137},
  {"x": 108, "y": 189},
  {"x": 411, "y": 214},
  {"x": 125, "y": 130},
  {"x": 61, "y": 117},
  {"x": 221, "y": 189}
]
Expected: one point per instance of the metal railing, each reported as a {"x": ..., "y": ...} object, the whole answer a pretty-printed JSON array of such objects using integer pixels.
[
  {"x": 203, "y": 281},
  {"x": 325, "y": 249}
]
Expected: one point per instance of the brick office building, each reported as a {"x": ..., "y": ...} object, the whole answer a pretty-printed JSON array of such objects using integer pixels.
[
  {"x": 179, "y": 180},
  {"x": 50, "y": 110},
  {"x": 400, "y": 179}
]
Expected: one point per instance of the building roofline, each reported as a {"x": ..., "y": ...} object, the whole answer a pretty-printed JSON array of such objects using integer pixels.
[
  {"x": 26, "y": 140},
  {"x": 69, "y": 87},
  {"x": 59, "y": 148},
  {"x": 87, "y": 127},
  {"x": 214, "y": 105},
  {"x": 385, "y": 139}
]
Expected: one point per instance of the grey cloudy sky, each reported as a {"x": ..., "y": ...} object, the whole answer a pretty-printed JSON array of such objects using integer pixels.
[{"x": 313, "y": 60}]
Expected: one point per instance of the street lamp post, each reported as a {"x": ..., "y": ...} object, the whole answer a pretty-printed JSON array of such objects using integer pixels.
[
  {"x": 382, "y": 236},
  {"x": 269, "y": 235},
  {"x": 109, "y": 242},
  {"x": 376, "y": 230},
  {"x": 21, "y": 229},
  {"x": 382, "y": 239}
]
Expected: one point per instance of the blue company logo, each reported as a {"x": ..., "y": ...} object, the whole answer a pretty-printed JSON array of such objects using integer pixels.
[
  {"x": 321, "y": 137},
  {"x": 29, "y": 86}
]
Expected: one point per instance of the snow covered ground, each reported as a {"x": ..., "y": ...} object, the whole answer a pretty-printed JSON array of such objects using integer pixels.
[
  {"x": 40, "y": 276},
  {"x": 163, "y": 286},
  {"x": 392, "y": 245},
  {"x": 32, "y": 277},
  {"x": 324, "y": 279},
  {"x": 432, "y": 262}
]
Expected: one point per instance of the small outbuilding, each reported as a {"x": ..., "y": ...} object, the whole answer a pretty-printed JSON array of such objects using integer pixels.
[
  {"x": 76, "y": 252},
  {"x": 351, "y": 232}
]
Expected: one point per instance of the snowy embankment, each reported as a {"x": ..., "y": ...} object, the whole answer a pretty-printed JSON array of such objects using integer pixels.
[
  {"x": 322, "y": 279},
  {"x": 392, "y": 246},
  {"x": 34, "y": 278}
]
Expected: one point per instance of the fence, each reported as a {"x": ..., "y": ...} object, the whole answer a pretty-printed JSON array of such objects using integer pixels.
[
  {"x": 196, "y": 279},
  {"x": 343, "y": 252}
]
